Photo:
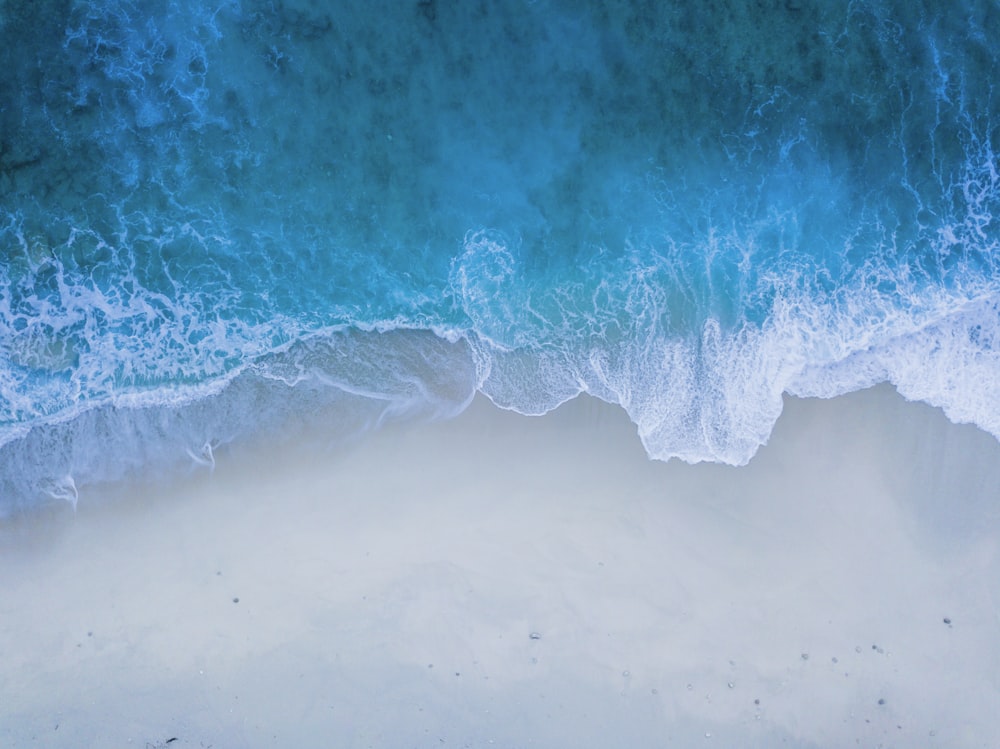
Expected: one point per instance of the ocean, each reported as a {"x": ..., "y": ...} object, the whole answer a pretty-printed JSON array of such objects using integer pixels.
[{"x": 225, "y": 220}]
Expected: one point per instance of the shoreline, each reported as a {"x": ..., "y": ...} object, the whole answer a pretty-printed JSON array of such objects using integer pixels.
[{"x": 508, "y": 579}]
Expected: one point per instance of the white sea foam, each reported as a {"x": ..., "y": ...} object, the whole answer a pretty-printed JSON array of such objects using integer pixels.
[{"x": 715, "y": 397}]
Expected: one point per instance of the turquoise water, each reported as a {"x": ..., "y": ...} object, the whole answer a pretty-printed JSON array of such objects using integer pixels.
[{"x": 221, "y": 219}]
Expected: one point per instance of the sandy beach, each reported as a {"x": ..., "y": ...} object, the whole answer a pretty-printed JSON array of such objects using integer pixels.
[{"x": 509, "y": 581}]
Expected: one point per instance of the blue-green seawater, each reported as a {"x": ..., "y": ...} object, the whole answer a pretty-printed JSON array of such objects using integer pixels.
[{"x": 223, "y": 217}]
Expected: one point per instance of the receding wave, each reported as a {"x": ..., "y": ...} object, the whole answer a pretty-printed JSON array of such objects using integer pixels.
[{"x": 340, "y": 385}]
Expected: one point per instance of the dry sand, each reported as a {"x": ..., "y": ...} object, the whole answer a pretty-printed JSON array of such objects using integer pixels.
[{"x": 500, "y": 580}]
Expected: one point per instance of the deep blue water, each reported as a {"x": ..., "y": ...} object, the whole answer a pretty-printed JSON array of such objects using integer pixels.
[{"x": 221, "y": 219}]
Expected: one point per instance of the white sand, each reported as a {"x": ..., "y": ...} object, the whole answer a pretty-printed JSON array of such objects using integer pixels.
[{"x": 388, "y": 595}]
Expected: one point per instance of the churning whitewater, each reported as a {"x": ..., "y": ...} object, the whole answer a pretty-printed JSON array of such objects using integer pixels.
[{"x": 222, "y": 218}]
